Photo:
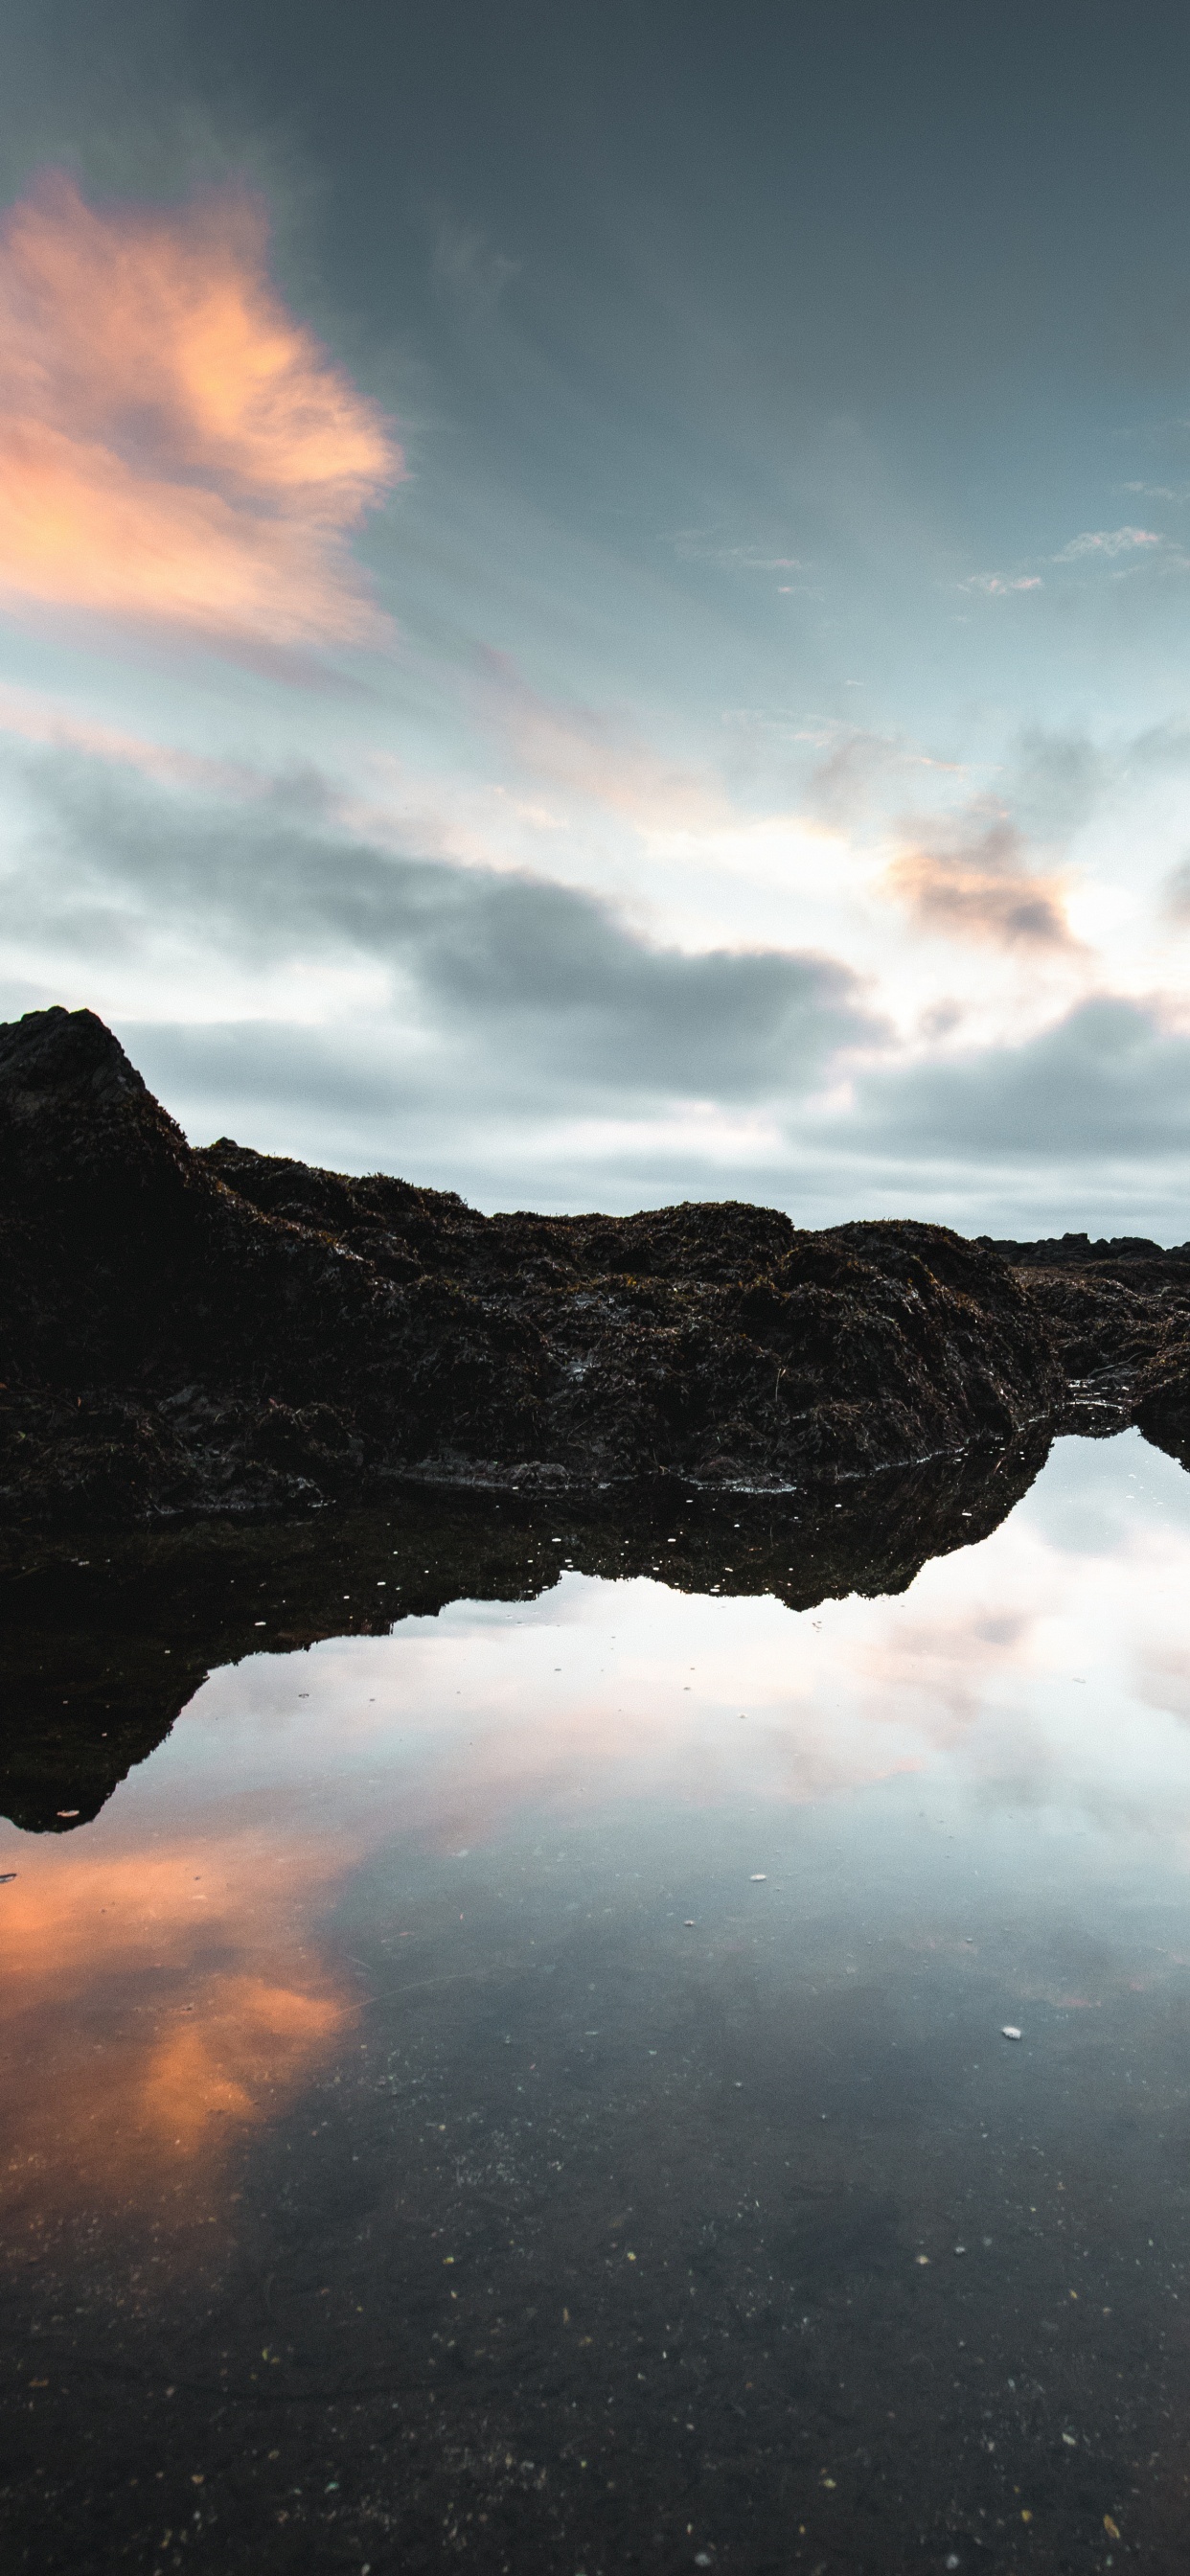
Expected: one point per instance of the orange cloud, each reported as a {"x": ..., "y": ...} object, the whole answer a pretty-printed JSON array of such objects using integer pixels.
[
  {"x": 973, "y": 882},
  {"x": 173, "y": 445}
]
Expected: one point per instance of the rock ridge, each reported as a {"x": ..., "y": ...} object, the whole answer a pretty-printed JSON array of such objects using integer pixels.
[{"x": 209, "y": 1330}]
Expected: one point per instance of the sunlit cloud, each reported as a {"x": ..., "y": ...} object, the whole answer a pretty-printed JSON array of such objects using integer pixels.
[
  {"x": 970, "y": 880},
  {"x": 174, "y": 447}
]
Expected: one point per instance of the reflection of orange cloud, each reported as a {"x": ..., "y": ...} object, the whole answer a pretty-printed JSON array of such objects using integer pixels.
[
  {"x": 172, "y": 444},
  {"x": 972, "y": 882},
  {"x": 194, "y": 1973},
  {"x": 252, "y": 2036}
]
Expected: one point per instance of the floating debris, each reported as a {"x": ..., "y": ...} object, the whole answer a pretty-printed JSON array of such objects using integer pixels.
[{"x": 1010, "y": 2030}]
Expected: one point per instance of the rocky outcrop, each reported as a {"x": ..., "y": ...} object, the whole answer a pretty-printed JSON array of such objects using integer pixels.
[
  {"x": 187, "y": 1331},
  {"x": 1119, "y": 1317}
]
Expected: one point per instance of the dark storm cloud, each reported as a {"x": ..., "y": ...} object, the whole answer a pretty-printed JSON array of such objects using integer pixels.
[{"x": 533, "y": 978}]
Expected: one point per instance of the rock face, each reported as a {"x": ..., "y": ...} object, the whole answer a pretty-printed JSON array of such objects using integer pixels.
[
  {"x": 188, "y": 1330},
  {"x": 1119, "y": 1317}
]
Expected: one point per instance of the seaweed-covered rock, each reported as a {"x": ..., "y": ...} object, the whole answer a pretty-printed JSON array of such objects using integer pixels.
[
  {"x": 222, "y": 1330},
  {"x": 1119, "y": 1318}
]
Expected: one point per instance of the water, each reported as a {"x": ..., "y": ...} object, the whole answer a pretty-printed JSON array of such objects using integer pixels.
[{"x": 526, "y": 2090}]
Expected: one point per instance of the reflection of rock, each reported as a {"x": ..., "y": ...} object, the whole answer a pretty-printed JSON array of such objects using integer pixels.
[
  {"x": 107, "y": 1640},
  {"x": 226, "y": 1331}
]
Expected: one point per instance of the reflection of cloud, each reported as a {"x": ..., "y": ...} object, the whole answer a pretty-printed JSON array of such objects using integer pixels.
[
  {"x": 173, "y": 446},
  {"x": 226, "y": 2061},
  {"x": 220, "y": 2012},
  {"x": 970, "y": 880},
  {"x": 168, "y": 1979}
]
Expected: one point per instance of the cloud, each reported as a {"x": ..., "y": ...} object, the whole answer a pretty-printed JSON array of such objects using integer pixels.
[
  {"x": 1094, "y": 544},
  {"x": 858, "y": 768},
  {"x": 997, "y": 585},
  {"x": 598, "y": 755},
  {"x": 466, "y": 268},
  {"x": 693, "y": 545},
  {"x": 1110, "y": 1079},
  {"x": 1057, "y": 780},
  {"x": 969, "y": 879},
  {"x": 174, "y": 447},
  {"x": 1175, "y": 894},
  {"x": 503, "y": 986},
  {"x": 1107, "y": 543}
]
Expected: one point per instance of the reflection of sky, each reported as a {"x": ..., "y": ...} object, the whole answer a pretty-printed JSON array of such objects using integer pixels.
[{"x": 170, "y": 1973}]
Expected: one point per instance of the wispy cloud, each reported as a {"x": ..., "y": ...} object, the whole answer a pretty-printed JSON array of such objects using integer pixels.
[
  {"x": 1159, "y": 492},
  {"x": 970, "y": 879},
  {"x": 466, "y": 267},
  {"x": 174, "y": 446},
  {"x": 1107, "y": 543},
  {"x": 693, "y": 545},
  {"x": 997, "y": 585},
  {"x": 1094, "y": 545},
  {"x": 595, "y": 754}
]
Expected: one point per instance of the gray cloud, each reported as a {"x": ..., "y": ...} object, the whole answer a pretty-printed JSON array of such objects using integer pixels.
[
  {"x": 1109, "y": 1081},
  {"x": 519, "y": 1013},
  {"x": 531, "y": 981}
]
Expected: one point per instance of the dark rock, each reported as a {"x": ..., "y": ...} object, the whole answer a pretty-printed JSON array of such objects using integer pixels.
[
  {"x": 190, "y": 1331},
  {"x": 1075, "y": 1251},
  {"x": 1119, "y": 1318}
]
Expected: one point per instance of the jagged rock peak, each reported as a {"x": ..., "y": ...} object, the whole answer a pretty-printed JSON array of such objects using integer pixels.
[{"x": 75, "y": 1114}]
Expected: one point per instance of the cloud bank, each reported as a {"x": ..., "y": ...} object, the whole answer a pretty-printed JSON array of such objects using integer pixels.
[
  {"x": 527, "y": 1042},
  {"x": 174, "y": 447}
]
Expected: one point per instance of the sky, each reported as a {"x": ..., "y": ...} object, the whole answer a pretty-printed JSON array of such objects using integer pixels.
[{"x": 594, "y": 599}]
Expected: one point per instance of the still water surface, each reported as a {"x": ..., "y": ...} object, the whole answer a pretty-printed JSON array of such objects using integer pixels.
[{"x": 528, "y": 2090}]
